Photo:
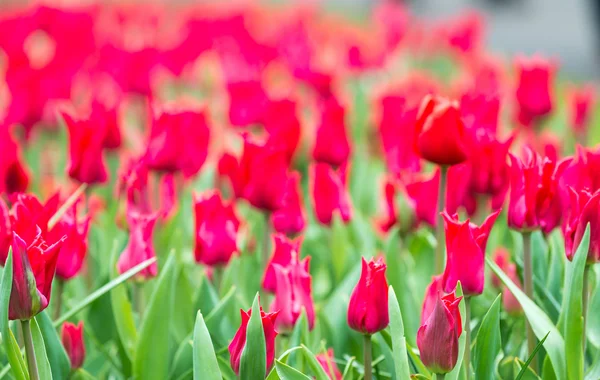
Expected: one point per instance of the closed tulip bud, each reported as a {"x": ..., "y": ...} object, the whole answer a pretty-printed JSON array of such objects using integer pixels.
[
  {"x": 585, "y": 209},
  {"x": 216, "y": 229},
  {"x": 13, "y": 174},
  {"x": 437, "y": 338},
  {"x": 329, "y": 193},
  {"x": 432, "y": 294},
  {"x": 285, "y": 251},
  {"x": 581, "y": 102},
  {"x": 331, "y": 145},
  {"x": 534, "y": 88},
  {"x": 34, "y": 265},
  {"x": 290, "y": 219},
  {"x": 72, "y": 340},
  {"x": 73, "y": 251},
  {"x": 293, "y": 292},
  {"x": 327, "y": 362},
  {"x": 535, "y": 199},
  {"x": 140, "y": 246},
  {"x": 368, "y": 307},
  {"x": 239, "y": 340},
  {"x": 441, "y": 137}
]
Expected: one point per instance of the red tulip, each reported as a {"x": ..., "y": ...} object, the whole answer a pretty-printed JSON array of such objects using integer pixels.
[
  {"x": 534, "y": 93},
  {"x": 490, "y": 172},
  {"x": 326, "y": 360},
  {"x": 368, "y": 307},
  {"x": 582, "y": 173},
  {"x": 140, "y": 246},
  {"x": 432, "y": 295},
  {"x": 86, "y": 149},
  {"x": 248, "y": 102},
  {"x": 502, "y": 259},
  {"x": 285, "y": 251},
  {"x": 293, "y": 292},
  {"x": 465, "y": 249},
  {"x": 390, "y": 216},
  {"x": 437, "y": 338},
  {"x": 440, "y": 135},
  {"x": 283, "y": 126},
  {"x": 5, "y": 231},
  {"x": 585, "y": 209},
  {"x": 422, "y": 192},
  {"x": 134, "y": 183},
  {"x": 109, "y": 118},
  {"x": 290, "y": 219},
  {"x": 535, "y": 201},
  {"x": 28, "y": 213},
  {"x": 581, "y": 102},
  {"x": 239, "y": 340},
  {"x": 480, "y": 111},
  {"x": 178, "y": 140},
  {"x": 329, "y": 193},
  {"x": 72, "y": 340},
  {"x": 331, "y": 144},
  {"x": 34, "y": 264},
  {"x": 216, "y": 229},
  {"x": 13, "y": 174}
]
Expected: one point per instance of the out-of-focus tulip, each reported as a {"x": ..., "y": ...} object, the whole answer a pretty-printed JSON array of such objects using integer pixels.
[
  {"x": 290, "y": 219},
  {"x": 293, "y": 292},
  {"x": 534, "y": 93},
  {"x": 326, "y": 360},
  {"x": 86, "y": 150},
  {"x": 331, "y": 145},
  {"x": 509, "y": 301},
  {"x": 480, "y": 112},
  {"x": 216, "y": 229},
  {"x": 178, "y": 140},
  {"x": 72, "y": 252},
  {"x": 285, "y": 251},
  {"x": 109, "y": 118},
  {"x": 34, "y": 265},
  {"x": 5, "y": 231},
  {"x": 432, "y": 294},
  {"x": 367, "y": 310},
  {"x": 440, "y": 135},
  {"x": 490, "y": 171},
  {"x": 582, "y": 173},
  {"x": 72, "y": 340},
  {"x": 502, "y": 259},
  {"x": 465, "y": 249},
  {"x": 585, "y": 208},
  {"x": 13, "y": 175},
  {"x": 140, "y": 246},
  {"x": 437, "y": 338},
  {"x": 581, "y": 102},
  {"x": 535, "y": 201},
  {"x": 248, "y": 102},
  {"x": 282, "y": 124},
  {"x": 329, "y": 193},
  {"x": 239, "y": 340}
]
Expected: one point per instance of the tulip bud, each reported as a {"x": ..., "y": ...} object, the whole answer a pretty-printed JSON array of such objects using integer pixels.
[
  {"x": 290, "y": 219},
  {"x": 34, "y": 265},
  {"x": 581, "y": 102},
  {"x": 440, "y": 135},
  {"x": 72, "y": 340},
  {"x": 326, "y": 360},
  {"x": 237, "y": 345},
  {"x": 140, "y": 246},
  {"x": 282, "y": 124},
  {"x": 368, "y": 307},
  {"x": 13, "y": 175},
  {"x": 216, "y": 229},
  {"x": 107, "y": 116},
  {"x": 285, "y": 251},
  {"x": 465, "y": 249},
  {"x": 585, "y": 209},
  {"x": 534, "y": 88},
  {"x": 432, "y": 294},
  {"x": 437, "y": 338},
  {"x": 329, "y": 193},
  {"x": 331, "y": 145}
]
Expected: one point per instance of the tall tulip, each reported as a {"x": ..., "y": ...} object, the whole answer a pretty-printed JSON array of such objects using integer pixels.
[
  {"x": 290, "y": 219},
  {"x": 72, "y": 340},
  {"x": 331, "y": 145},
  {"x": 534, "y": 93},
  {"x": 329, "y": 193}
]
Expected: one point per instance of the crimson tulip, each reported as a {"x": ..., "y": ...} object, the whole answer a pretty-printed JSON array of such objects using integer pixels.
[
  {"x": 368, "y": 307},
  {"x": 432, "y": 294},
  {"x": 72, "y": 340},
  {"x": 248, "y": 102},
  {"x": 534, "y": 94},
  {"x": 13, "y": 173},
  {"x": 140, "y": 246},
  {"x": 27, "y": 214},
  {"x": 216, "y": 229},
  {"x": 238, "y": 344},
  {"x": 585, "y": 209},
  {"x": 326, "y": 360},
  {"x": 290, "y": 219},
  {"x": 285, "y": 251},
  {"x": 489, "y": 168},
  {"x": 510, "y": 303},
  {"x": 502, "y": 259},
  {"x": 331, "y": 144},
  {"x": 283, "y": 126},
  {"x": 329, "y": 193},
  {"x": 5, "y": 231},
  {"x": 581, "y": 102}
]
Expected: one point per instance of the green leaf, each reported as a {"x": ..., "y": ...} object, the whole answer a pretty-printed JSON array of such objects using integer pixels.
[
  {"x": 103, "y": 290},
  {"x": 488, "y": 343},
  {"x": 530, "y": 358},
  {"x": 253, "y": 363},
  {"x": 525, "y": 372},
  {"x": 205, "y": 360},
  {"x": 286, "y": 372},
  {"x": 15, "y": 359},
  {"x": 540, "y": 322},
  {"x": 59, "y": 361},
  {"x": 314, "y": 364},
  {"x": 216, "y": 315},
  {"x": 398, "y": 339},
  {"x": 226, "y": 370},
  {"x": 574, "y": 311},
  {"x": 39, "y": 349},
  {"x": 416, "y": 361},
  {"x": 593, "y": 319},
  {"x": 453, "y": 375},
  {"x": 153, "y": 346}
]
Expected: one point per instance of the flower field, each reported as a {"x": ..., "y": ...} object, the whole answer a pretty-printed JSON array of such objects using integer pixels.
[{"x": 235, "y": 190}]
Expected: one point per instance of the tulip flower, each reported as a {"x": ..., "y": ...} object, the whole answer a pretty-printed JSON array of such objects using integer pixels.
[
  {"x": 283, "y": 126},
  {"x": 285, "y": 252},
  {"x": 140, "y": 246},
  {"x": 178, "y": 140},
  {"x": 5, "y": 232},
  {"x": 502, "y": 259},
  {"x": 248, "y": 102},
  {"x": 326, "y": 360},
  {"x": 27, "y": 214},
  {"x": 432, "y": 294},
  {"x": 86, "y": 150},
  {"x": 34, "y": 265},
  {"x": 465, "y": 247},
  {"x": 331, "y": 144},
  {"x": 489, "y": 169},
  {"x": 480, "y": 112},
  {"x": 290, "y": 219},
  {"x": 585, "y": 209},
  {"x": 13, "y": 174},
  {"x": 581, "y": 174},
  {"x": 216, "y": 229},
  {"x": 534, "y": 93},
  {"x": 73, "y": 251},
  {"x": 293, "y": 292},
  {"x": 107, "y": 116},
  {"x": 72, "y": 340},
  {"x": 581, "y": 102},
  {"x": 367, "y": 310},
  {"x": 437, "y": 338},
  {"x": 329, "y": 193},
  {"x": 239, "y": 340}
]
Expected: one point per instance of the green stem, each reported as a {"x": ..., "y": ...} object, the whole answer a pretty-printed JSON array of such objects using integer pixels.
[
  {"x": 217, "y": 278},
  {"x": 138, "y": 297},
  {"x": 367, "y": 357},
  {"x": 439, "y": 232},
  {"x": 467, "y": 356},
  {"x": 440, "y": 376},
  {"x": 266, "y": 240},
  {"x": 586, "y": 295},
  {"x": 58, "y": 295},
  {"x": 29, "y": 352},
  {"x": 528, "y": 277}
]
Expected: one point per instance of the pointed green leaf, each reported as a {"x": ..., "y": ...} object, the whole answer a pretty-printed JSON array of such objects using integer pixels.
[
  {"x": 398, "y": 340},
  {"x": 454, "y": 374},
  {"x": 59, "y": 361},
  {"x": 205, "y": 360},
  {"x": 39, "y": 349},
  {"x": 286, "y": 372},
  {"x": 314, "y": 364},
  {"x": 488, "y": 343},
  {"x": 525, "y": 366},
  {"x": 253, "y": 363}
]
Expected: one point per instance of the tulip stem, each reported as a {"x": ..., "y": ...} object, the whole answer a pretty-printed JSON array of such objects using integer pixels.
[
  {"x": 528, "y": 277},
  {"x": 586, "y": 294},
  {"x": 217, "y": 278},
  {"x": 58, "y": 295},
  {"x": 266, "y": 240},
  {"x": 439, "y": 232},
  {"x": 29, "y": 352},
  {"x": 467, "y": 356},
  {"x": 440, "y": 376},
  {"x": 367, "y": 357}
]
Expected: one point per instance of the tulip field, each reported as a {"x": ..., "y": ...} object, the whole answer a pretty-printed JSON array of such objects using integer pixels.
[{"x": 224, "y": 190}]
